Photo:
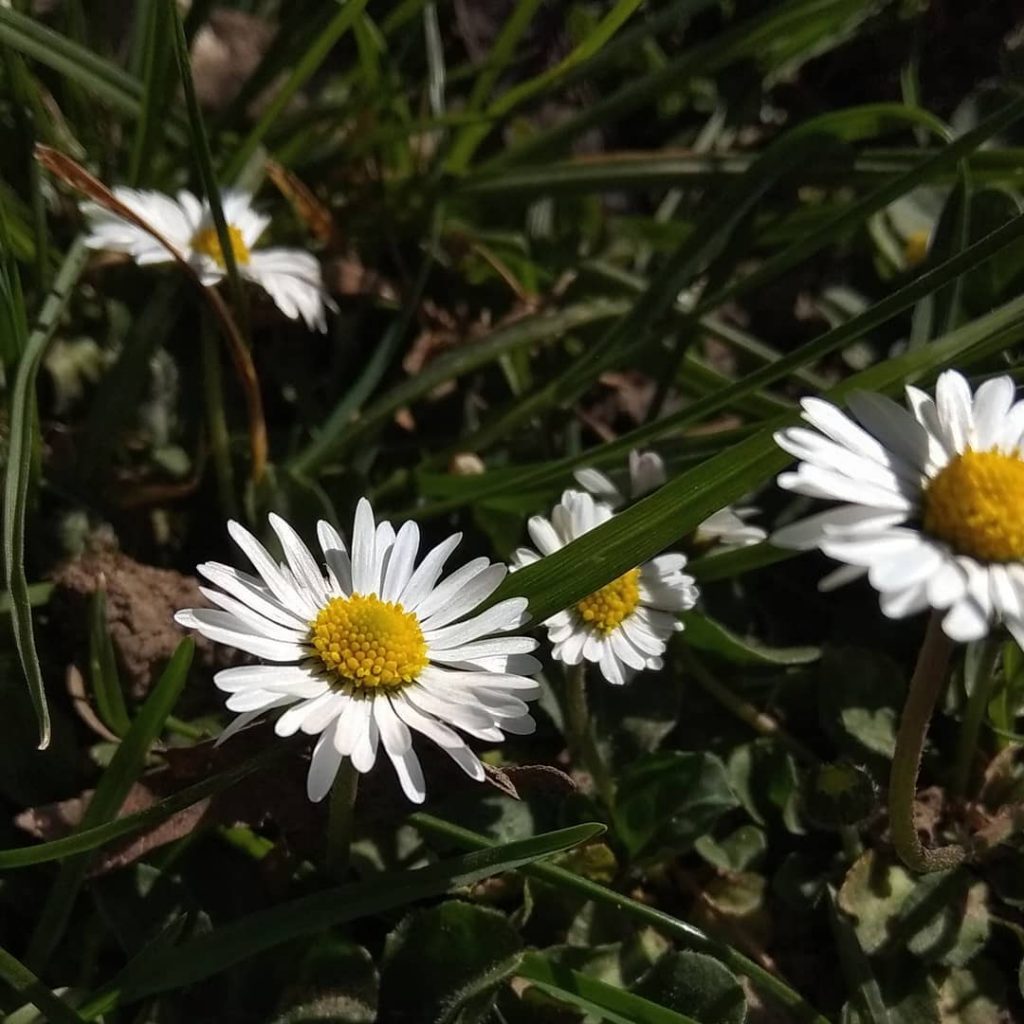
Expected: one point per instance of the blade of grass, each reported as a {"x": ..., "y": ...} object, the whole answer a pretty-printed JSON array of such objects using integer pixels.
[
  {"x": 26, "y": 986},
  {"x": 233, "y": 943},
  {"x": 19, "y": 469},
  {"x": 471, "y": 137},
  {"x": 103, "y": 674},
  {"x": 204, "y": 161},
  {"x": 595, "y": 997},
  {"x": 303, "y": 70},
  {"x": 342, "y": 427},
  {"x": 84, "y": 841},
  {"x": 659, "y": 520},
  {"x": 770, "y": 985},
  {"x": 156, "y": 66},
  {"x": 127, "y": 764}
]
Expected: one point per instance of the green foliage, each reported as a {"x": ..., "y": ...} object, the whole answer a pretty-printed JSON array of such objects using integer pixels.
[{"x": 551, "y": 234}]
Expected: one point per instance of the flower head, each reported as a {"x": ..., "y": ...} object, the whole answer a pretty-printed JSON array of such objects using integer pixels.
[
  {"x": 371, "y": 651},
  {"x": 624, "y": 626},
  {"x": 291, "y": 277},
  {"x": 931, "y": 499},
  {"x": 727, "y": 527}
]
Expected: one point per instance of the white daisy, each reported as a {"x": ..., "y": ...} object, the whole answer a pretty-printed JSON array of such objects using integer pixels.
[
  {"x": 727, "y": 527},
  {"x": 624, "y": 626},
  {"x": 371, "y": 650},
  {"x": 291, "y": 277},
  {"x": 932, "y": 499}
]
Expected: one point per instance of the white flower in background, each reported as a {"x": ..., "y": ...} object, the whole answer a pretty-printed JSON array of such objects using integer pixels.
[
  {"x": 624, "y": 626},
  {"x": 932, "y": 499},
  {"x": 372, "y": 649},
  {"x": 728, "y": 526},
  {"x": 291, "y": 277}
]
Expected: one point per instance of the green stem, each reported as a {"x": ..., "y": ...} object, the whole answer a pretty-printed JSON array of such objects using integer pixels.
[
  {"x": 582, "y": 746},
  {"x": 977, "y": 703},
  {"x": 340, "y": 819},
  {"x": 216, "y": 421},
  {"x": 925, "y": 686},
  {"x": 28, "y": 987}
]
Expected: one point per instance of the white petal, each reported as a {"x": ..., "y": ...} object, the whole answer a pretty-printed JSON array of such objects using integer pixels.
[
  {"x": 394, "y": 733},
  {"x": 597, "y": 483},
  {"x": 322, "y": 769},
  {"x": 953, "y": 401},
  {"x": 499, "y": 618},
  {"x": 364, "y": 753},
  {"x": 410, "y": 774},
  {"x": 255, "y": 622},
  {"x": 965, "y": 621},
  {"x": 284, "y": 679},
  {"x": 612, "y": 668},
  {"x": 646, "y": 472},
  {"x": 992, "y": 402},
  {"x": 427, "y": 573},
  {"x": 363, "y": 550},
  {"x": 400, "y": 565},
  {"x": 809, "y": 533},
  {"x": 225, "y": 629},
  {"x": 251, "y": 591},
  {"x": 448, "y": 589},
  {"x": 289, "y": 595},
  {"x": 486, "y": 649},
  {"x": 335, "y": 555},
  {"x": 544, "y": 535},
  {"x": 300, "y": 561}
]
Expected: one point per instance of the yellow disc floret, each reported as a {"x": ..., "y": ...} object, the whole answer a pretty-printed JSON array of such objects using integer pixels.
[
  {"x": 206, "y": 241},
  {"x": 605, "y": 609},
  {"x": 368, "y": 642},
  {"x": 915, "y": 248},
  {"x": 976, "y": 505}
]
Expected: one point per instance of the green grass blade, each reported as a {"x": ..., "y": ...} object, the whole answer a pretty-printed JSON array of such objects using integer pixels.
[
  {"x": 156, "y": 66},
  {"x": 18, "y": 472},
  {"x": 101, "y": 78},
  {"x": 27, "y": 987},
  {"x": 86, "y": 840},
  {"x": 596, "y": 998},
  {"x": 342, "y": 430},
  {"x": 309, "y": 915},
  {"x": 303, "y": 70},
  {"x": 204, "y": 159},
  {"x": 687, "y": 935},
  {"x": 471, "y": 137},
  {"x": 127, "y": 764},
  {"x": 661, "y": 519},
  {"x": 103, "y": 674}
]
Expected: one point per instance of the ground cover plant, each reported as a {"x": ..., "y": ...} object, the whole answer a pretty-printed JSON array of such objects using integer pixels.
[{"x": 512, "y": 511}]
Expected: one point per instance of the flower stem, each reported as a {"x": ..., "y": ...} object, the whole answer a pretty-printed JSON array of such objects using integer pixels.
[
  {"x": 925, "y": 686},
  {"x": 582, "y": 746},
  {"x": 977, "y": 703},
  {"x": 340, "y": 818}
]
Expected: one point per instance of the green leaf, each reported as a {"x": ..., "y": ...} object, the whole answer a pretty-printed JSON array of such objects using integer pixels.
[
  {"x": 697, "y": 985},
  {"x": 595, "y": 997},
  {"x": 210, "y": 954},
  {"x": 337, "y": 984},
  {"x": 764, "y": 776},
  {"x": 19, "y": 469},
  {"x": 941, "y": 917},
  {"x": 741, "y": 850},
  {"x": 705, "y": 634},
  {"x": 669, "y": 798},
  {"x": 442, "y": 965}
]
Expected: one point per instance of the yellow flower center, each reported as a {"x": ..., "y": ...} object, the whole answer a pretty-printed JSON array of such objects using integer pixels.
[
  {"x": 605, "y": 609},
  {"x": 365, "y": 641},
  {"x": 976, "y": 505},
  {"x": 207, "y": 242},
  {"x": 915, "y": 248}
]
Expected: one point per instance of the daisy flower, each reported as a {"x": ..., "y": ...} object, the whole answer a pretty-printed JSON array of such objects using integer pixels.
[
  {"x": 727, "y": 527},
  {"x": 624, "y": 626},
  {"x": 291, "y": 277},
  {"x": 372, "y": 650},
  {"x": 931, "y": 499}
]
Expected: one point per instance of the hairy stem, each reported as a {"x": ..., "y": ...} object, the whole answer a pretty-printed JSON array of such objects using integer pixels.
[
  {"x": 580, "y": 735},
  {"x": 925, "y": 686}
]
